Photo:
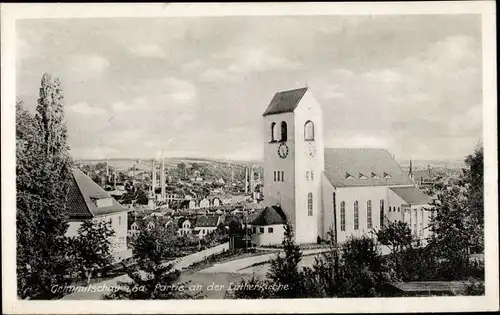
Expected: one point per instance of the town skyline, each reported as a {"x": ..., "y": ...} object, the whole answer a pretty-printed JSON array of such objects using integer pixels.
[{"x": 412, "y": 91}]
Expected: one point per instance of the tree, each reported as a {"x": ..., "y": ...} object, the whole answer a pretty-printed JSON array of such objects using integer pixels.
[
  {"x": 458, "y": 224},
  {"x": 397, "y": 236},
  {"x": 42, "y": 182},
  {"x": 151, "y": 278},
  {"x": 284, "y": 269},
  {"x": 474, "y": 179},
  {"x": 93, "y": 248},
  {"x": 355, "y": 269},
  {"x": 154, "y": 244}
]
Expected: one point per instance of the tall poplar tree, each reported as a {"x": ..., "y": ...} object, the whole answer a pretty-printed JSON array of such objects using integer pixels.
[{"x": 43, "y": 174}]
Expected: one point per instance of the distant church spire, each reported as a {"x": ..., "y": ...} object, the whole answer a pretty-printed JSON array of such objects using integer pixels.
[{"x": 410, "y": 171}]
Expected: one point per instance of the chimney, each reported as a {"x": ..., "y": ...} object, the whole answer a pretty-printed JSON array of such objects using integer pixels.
[
  {"x": 162, "y": 177},
  {"x": 107, "y": 169},
  {"x": 246, "y": 179},
  {"x": 153, "y": 179},
  {"x": 251, "y": 179}
]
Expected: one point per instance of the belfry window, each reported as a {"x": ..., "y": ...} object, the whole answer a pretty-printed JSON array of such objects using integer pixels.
[
  {"x": 283, "y": 131},
  {"x": 274, "y": 131},
  {"x": 309, "y": 130}
]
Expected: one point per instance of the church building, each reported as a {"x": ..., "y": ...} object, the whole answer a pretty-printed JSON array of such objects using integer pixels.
[{"x": 331, "y": 192}]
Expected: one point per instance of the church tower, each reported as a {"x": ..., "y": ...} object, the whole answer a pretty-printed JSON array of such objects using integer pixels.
[{"x": 294, "y": 160}]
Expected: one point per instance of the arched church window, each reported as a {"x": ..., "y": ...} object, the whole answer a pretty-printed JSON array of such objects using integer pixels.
[
  {"x": 309, "y": 130},
  {"x": 369, "y": 223},
  {"x": 284, "y": 131},
  {"x": 356, "y": 215},
  {"x": 310, "y": 204},
  {"x": 342, "y": 216},
  {"x": 273, "y": 131},
  {"x": 381, "y": 212}
]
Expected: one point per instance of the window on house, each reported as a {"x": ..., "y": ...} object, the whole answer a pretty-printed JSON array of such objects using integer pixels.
[
  {"x": 312, "y": 175},
  {"x": 283, "y": 131},
  {"x": 309, "y": 130},
  {"x": 369, "y": 223},
  {"x": 273, "y": 131},
  {"x": 307, "y": 175},
  {"x": 342, "y": 216},
  {"x": 282, "y": 176},
  {"x": 254, "y": 229},
  {"x": 261, "y": 230},
  {"x": 119, "y": 220},
  {"x": 279, "y": 176},
  {"x": 270, "y": 230},
  {"x": 382, "y": 214},
  {"x": 356, "y": 215},
  {"x": 274, "y": 175},
  {"x": 310, "y": 204},
  {"x": 399, "y": 209}
]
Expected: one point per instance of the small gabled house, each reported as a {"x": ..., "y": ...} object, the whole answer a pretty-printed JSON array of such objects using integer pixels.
[
  {"x": 88, "y": 201},
  {"x": 268, "y": 226},
  {"x": 206, "y": 225},
  {"x": 185, "y": 226}
]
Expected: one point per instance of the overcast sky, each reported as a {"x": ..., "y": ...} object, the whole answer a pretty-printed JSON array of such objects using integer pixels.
[{"x": 197, "y": 87}]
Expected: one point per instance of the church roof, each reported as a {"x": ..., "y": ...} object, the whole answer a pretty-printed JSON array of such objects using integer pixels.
[
  {"x": 83, "y": 195},
  {"x": 285, "y": 102},
  {"x": 269, "y": 216},
  {"x": 346, "y": 167},
  {"x": 411, "y": 195}
]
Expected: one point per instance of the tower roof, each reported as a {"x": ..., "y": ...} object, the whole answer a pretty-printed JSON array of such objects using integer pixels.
[
  {"x": 285, "y": 101},
  {"x": 343, "y": 166}
]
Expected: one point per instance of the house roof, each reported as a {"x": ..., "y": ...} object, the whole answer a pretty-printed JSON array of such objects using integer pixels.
[
  {"x": 82, "y": 196},
  {"x": 430, "y": 286},
  {"x": 285, "y": 102},
  {"x": 411, "y": 195},
  {"x": 345, "y": 167},
  {"x": 270, "y": 215},
  {"x": 182, "y": 220},
  {"x": 207, "y": 221}
]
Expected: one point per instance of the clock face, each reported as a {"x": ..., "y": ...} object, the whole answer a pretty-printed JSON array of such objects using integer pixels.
[
  {"x": 283, "y": 150},
  {"x": 311, "y": 148}
]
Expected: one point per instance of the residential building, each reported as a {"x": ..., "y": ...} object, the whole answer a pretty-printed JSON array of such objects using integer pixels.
[
  {"x": 88, "y": 201},
  {"x": 206, "y": 224}
]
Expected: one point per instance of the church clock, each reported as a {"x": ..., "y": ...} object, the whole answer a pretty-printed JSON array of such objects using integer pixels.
[{"x": 283, "y": 150}]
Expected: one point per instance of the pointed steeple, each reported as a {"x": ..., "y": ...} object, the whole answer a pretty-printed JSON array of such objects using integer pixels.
[{"x": 410, "y": 171}]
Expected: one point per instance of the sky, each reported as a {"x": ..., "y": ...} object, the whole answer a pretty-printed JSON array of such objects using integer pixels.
[{"x": 197, "y": 86}]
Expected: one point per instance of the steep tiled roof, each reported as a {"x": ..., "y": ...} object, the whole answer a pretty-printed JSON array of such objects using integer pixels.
[
  {"x": 411, "y": 195},
  {"x": 343, "y": 167},
  {"x": 270, "y": 215},
  {"x": 82, "y": 196},
  {"x": 207, "y": 221},
  {"x": 285, "y": 102}
]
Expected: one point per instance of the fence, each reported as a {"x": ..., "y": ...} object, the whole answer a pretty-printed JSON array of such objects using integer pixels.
[{"x": 186, "y": 261}]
